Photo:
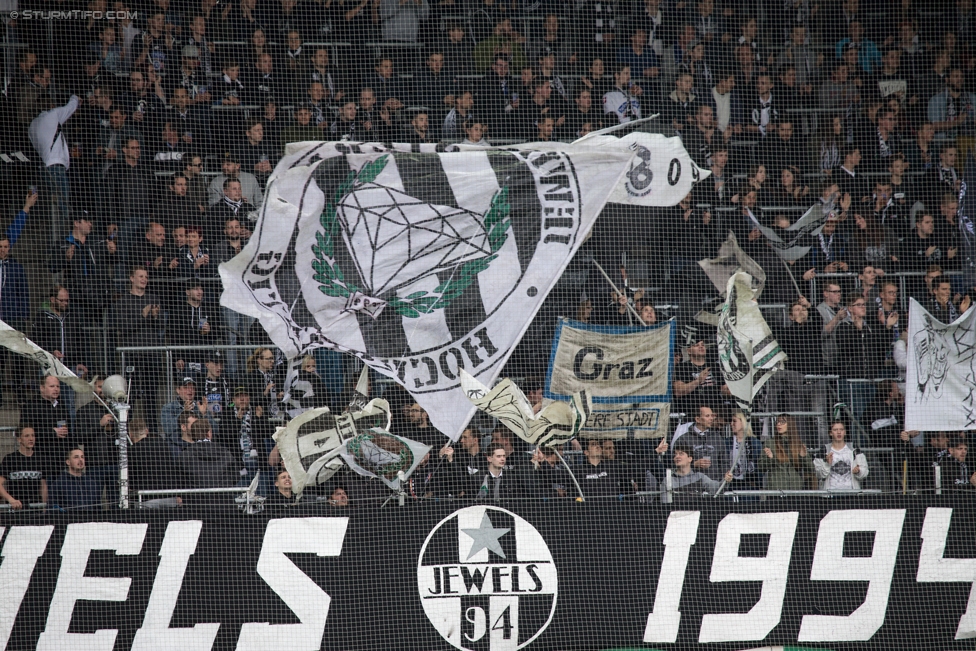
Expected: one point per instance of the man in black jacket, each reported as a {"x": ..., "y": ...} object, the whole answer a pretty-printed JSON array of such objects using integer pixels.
[
  {"x": 48, "y": 414},
  {"x": 498, "y": 483},
  {"x": 801, "y": 341},
  {"x": 205, "y": 464},
  {"x": 130, "y": 194},
  {"x": 95, "y": 430},
  {"x": 84, "y": 264},
  {"x": 151, "y": 465},
  {"x": 956, "y": 473},
  {"x": 135, "y": 320},
  {"x": 192, "y": 323},
  {"x": 59, "y": 332}
]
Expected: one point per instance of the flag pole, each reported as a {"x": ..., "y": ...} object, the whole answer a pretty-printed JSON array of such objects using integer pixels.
[
  {"x": 572, "y": 476},
  {"x": 619, "y": 293},
  {"x": 790, "y": 274}
]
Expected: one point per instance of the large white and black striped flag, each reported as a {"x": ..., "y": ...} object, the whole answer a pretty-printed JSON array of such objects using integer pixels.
[{"x": 419, "y": 262}]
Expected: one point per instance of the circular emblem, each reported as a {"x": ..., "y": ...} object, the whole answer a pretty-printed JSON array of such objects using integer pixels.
[{"x": 487, "y": 580}]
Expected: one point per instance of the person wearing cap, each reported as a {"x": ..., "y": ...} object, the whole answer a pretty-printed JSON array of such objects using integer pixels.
[
  {"x": 84, "y": 264},
  {"x": 230, "y": 167},
  {"x": 192, "y": 324},
  {"x": 185, "y": 403},
  {"x": 245, "y": 431},
  {"x": 186, "y": 77}
]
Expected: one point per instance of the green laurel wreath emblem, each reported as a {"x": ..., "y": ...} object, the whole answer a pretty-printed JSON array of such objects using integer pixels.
[{"x": 333, "y": 282}]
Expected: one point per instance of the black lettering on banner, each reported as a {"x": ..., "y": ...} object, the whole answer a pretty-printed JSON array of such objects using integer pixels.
[
  {"x": 645, "y": 369},
  {"x": 437, "y": 581},
  {"x": 483, "y": 343},
  {"x": 674, "y": 171},
  {"x": 626, "y": 371},
  {"x": 497, "y": 574},
  {"x": 504, "y": 623},
  {"x": 473, "y": 577},
  {"x": 578, "y": 363},
  {"x": 446, "y": 365},
  {"x": 431, "y": 371},
  {"x": 607, "y": 369}
]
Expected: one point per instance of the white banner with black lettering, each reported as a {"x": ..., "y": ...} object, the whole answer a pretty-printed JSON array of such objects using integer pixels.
[
  {"x": 662, "y": 173},
  {"x": 417, "y": 261},
  {"x": 940, "y": 381},
  {"x": 626, "y": 370}
]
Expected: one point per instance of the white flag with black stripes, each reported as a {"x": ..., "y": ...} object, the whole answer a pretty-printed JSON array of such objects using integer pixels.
[{"x": 420, "y": 262}]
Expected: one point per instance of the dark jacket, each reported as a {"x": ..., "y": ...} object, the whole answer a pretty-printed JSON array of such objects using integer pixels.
[
  {"x": 70, "y": 492},
  {"x": 208, "y": 465},
  {"x": 86, "y": 273},
  {"x": 14, "y": 293},
  {"x": 152, "y": 466},
  {"x": 64, "y": 334}
]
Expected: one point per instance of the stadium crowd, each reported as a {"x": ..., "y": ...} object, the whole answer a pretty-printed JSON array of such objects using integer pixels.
[{"x": 156, "y": 133}]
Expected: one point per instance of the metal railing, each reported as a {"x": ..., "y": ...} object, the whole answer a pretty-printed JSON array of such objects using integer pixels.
[{"x": 176, "y": 492}]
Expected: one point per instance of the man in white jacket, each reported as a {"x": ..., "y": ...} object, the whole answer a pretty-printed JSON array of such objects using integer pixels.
[{"x": 842, "y": 467}]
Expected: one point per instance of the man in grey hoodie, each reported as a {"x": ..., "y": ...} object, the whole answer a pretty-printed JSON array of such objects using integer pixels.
[{"x": 683, "y": 477}]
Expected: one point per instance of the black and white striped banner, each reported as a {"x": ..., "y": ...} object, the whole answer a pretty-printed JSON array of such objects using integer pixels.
[{"x": 420, "y": 262}]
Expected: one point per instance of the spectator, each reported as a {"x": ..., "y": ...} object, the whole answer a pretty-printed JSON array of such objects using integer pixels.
[
  {"x": 782, "y": 150},
  {"x": 168, "y": 155},
  {"x": 157, "y": 43},
  {"x": 684, "y": 476},
  {"x": 255, "y": 154},
  {"x": 194, "y": 256},
  {"x": 504, "y": 41},
  {"x": 417, "y": 132},
  {"x": 847, "y": 178},
  {"x": 197, "y": 86},
  {"x": 623, "y": 99},
  {"x": 755, "y": 112},
  {"x": 682, "y": 103},
  {"x": 130, "y": 195},
  {"x": 73, "y": 488},
  {"x": 136, "y": 323},
  {"x": 454, "y": 122},
  {"x": 246, "y": 432},
  {"x": 59, "y": 332},
  {"x": 474, "y": 132},
  {"x": 308, "y": 390},
  {"x": 863, "y": 343},
  {"x": 598, "y": 475},
  {"x": 707, "y": 444},
  {"x": 317, "y": 104},
  {"x": 141, "y": 105},
  {"x": 114, "y": 138},
  {"x": 940, "y": 304},
  {"x": 501, "y": 481},
  {"x": 14, "y": 288},
  {"x": 283, "y": 495},
  {"x": 231, "y": 169},
  {"x": 721, "y": 99},
  {"x": 262, "y": 84},
  {"x": 22, "y": 479},
  {"x": 192, "y": 324},
  {"x": 151, "y": 466},
  {"x": 196, "y": 190},
  {"x": 262, "y": 381},
  {"x": 320, "y": 71},
  {"x": 30, "y": 95},
  {"x": 189, "y": 121},
  {"x": 839, "y": 92},
  {"x": 743, "y": 447},
  {"x": 942, "y": 178},
  {"x": 216, "y": 389},
  {"x": 471, "y": 465},
  {"x": 47, "y": 137},
  {"x": 549, "y": 474},
  {"x": 953, "y": 111},
  {"x": 885, "y": 416},
  {"x": 386, "y": 87},
  {"x": 176, "y": 209},
  {"x": 841, "y": 467},
  {"x": 785, "y": 460},
  {"x": 868, "y": 56},
  {"x": 922, "y": 248},
  {"x": 205, "y": 464},
  {"x": 434, "y": 86},
  {"x": 177, "y": 416},
  {"x": 97, "y": 435},
  {"x": 800, "y": 340},
  {"x": 345, "y": 127},
  {"x": 956, "y": 473}
]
